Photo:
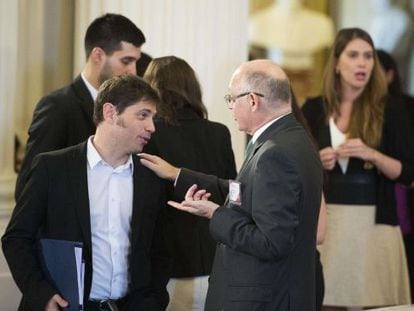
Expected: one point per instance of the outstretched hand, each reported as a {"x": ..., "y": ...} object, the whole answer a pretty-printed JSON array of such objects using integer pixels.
[
  {"x": 196, "y": 202},
  {"x": 162, "y": 168}
]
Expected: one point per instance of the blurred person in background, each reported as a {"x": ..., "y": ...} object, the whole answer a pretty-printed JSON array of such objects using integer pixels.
[{"x": 404, "y": 196}]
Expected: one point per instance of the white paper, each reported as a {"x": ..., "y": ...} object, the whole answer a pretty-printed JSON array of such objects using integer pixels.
[{"x": 80, "y": 268}]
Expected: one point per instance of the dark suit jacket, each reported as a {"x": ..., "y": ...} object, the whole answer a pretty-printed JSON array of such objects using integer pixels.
[
  {"x": 203, "y": 146},
  {"x": 61, "y": 119},
  {"x": 265, "y": 259},
  {"x": 54, "y": 204}
]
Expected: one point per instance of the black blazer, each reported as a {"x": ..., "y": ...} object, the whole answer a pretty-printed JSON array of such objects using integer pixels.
[
  {"x": 265, "y": 259},
  {"x": 396, "y": 141},
  {"x": 54, "y": 204},
  {"x": 61, "y": 119},
  {"x": 203, "y": 146}
]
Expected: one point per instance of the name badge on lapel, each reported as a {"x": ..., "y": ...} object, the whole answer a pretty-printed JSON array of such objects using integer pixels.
[{"x": 235, "y": 192}]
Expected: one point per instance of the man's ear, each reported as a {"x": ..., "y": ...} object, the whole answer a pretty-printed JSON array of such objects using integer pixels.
[
  {"x": 97, "y": 55},
  {"x": 254, "y": 101},
  {"x": 109, "y": 112}
]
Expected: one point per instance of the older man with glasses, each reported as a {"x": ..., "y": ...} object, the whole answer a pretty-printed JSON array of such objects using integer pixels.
[{"x": 266, "y": 229}]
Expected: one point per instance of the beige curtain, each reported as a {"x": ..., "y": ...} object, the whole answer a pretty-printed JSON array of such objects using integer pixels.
[{"x": 45, "y": 48}]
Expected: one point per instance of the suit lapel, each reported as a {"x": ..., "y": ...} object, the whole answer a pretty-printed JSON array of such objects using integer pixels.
[
  {"x": 138, "y": 201},
  {"x": 85, "y": 99},
  {"x": 78, "y": 183}
]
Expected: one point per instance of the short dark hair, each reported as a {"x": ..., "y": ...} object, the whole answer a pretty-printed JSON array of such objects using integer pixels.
[
  {"x": 388, "y": 63},
  {"x": 123, "y": 91},
  {"x": 109, "y": 30}
]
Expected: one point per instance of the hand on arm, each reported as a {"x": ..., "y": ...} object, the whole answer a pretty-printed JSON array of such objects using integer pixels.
[
  {"x": 356, "y": 148},
  {"x": 56, "y": 303},
  {"x": 197, "y": 203},
  {"x": 162, "y": 168}
]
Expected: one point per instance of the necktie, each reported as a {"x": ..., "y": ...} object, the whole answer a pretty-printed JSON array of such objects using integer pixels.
[{"x": 249, "y": 149}]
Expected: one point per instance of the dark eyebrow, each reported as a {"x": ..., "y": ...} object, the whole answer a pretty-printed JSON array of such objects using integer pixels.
[
  {"x": 129, "y": 58},
  {"x": 145, "y": 110}
]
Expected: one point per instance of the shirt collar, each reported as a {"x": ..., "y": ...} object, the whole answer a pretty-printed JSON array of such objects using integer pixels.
[
  {"x": 91, "y": 89},
  {"x": 94, "y": 158},
  {"x": 265, "y": 127}
]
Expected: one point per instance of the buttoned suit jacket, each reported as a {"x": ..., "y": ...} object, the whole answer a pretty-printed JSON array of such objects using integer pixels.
[
  {"x": 54, "y": 204},
  {"x": 61, "y": 119},
  {"x": 265, "y": 258}
]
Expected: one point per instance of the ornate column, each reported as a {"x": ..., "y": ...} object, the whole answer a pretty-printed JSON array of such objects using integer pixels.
[{"x": 210, "y": 35}]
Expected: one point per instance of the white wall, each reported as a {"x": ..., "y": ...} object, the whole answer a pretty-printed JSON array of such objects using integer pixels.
[{"x": 353, "y": 13}]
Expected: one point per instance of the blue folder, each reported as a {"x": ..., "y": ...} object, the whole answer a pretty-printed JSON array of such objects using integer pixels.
[{"x": 58, "y": 262}]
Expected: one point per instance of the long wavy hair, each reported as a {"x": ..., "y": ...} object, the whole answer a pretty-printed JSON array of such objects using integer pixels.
[
  {"x": 367, "y": 115},
  {"x": 177, "y": 85}
]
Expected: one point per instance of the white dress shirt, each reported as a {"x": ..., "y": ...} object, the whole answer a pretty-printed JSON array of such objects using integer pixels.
[{"x": 110, "y": 200}]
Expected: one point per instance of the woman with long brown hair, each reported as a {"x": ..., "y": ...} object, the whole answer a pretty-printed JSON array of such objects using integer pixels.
[{"x": 364, "y": 149}]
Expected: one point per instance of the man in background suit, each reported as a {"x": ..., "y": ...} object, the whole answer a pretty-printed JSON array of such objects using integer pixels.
[
  {"x": 99, "y": 194},
  {"x": 266, "y": 229},
  {"x": 64, "y": 117}
]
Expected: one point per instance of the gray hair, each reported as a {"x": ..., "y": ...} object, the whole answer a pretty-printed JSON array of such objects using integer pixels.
[{"x": 275, "y": 91}]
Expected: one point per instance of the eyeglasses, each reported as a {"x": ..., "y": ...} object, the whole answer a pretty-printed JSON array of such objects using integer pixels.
[{"x": 228, "y": 99}]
